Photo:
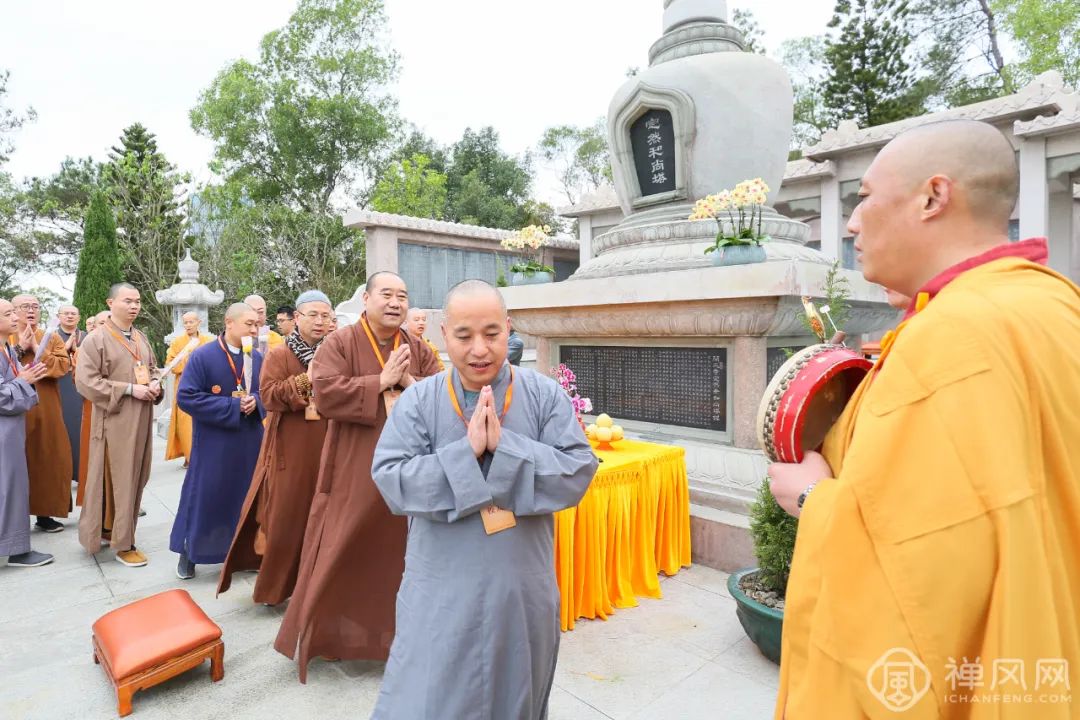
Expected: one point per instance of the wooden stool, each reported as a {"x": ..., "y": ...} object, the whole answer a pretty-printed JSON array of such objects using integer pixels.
[{"x": 154, "y": 639}]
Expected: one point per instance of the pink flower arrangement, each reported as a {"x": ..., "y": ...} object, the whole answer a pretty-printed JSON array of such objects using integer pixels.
[{"x": 566, "y": 377}]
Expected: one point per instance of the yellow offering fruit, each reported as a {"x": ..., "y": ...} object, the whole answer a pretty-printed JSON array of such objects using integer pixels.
[
  {"x": 604, "y": 421},
  {"x": 616, "y": 432},
  {"x": 590, "y": 431},
  {"x": 603, "y": 434}
]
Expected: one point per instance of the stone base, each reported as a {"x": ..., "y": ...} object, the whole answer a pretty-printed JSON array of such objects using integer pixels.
[{"x": 720, "y": 539}]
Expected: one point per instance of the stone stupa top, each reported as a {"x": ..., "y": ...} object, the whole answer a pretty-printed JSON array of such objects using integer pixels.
[
  {"x": 189, "y": 291},
  {"x": 695, "y": 27},
  {"x": 188, "y": 269}
]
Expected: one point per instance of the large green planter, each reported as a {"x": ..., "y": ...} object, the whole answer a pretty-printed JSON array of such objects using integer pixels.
[
  {"x": 763, "y": 624},
  {"x": 739, "y": 255},
  {"x": 536, "y": 278}
]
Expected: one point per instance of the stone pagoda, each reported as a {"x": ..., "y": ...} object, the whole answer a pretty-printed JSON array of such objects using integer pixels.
[
  {"x": 675, "y": 349},
  {"x": 189, "y": 295}
]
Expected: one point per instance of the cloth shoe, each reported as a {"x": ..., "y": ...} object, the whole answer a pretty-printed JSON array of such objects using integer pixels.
[
  {"x": 185, "y": 569},
  {"x": 47, "y": 524},
  {"x": 131, "y": 558},
  {"x": 32, "y": 558}
]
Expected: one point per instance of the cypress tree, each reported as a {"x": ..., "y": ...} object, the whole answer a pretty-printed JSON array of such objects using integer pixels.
[{"x": 99, "y": 260}]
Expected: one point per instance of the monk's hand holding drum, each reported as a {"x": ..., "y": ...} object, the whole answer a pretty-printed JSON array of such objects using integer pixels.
[{"x": 788, "y": 481}]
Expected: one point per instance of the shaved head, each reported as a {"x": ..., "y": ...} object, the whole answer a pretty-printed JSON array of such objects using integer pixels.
[
  {"x": 236, "y": 310},
  {"x": 474, "y": 289},
  {"x": 114, "y": 290},
  {"x": 190, "y": 315},
  {"x": 976, "y": 156}
]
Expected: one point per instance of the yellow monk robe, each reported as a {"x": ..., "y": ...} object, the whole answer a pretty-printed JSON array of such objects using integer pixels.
[
  {"x": 179, "y": 441},
  {"x": 435, "y": 352},
  {"x": 952, "y": 528}
]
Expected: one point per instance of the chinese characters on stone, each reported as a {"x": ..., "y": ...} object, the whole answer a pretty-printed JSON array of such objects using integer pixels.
[{"x": 656, "y": 151}]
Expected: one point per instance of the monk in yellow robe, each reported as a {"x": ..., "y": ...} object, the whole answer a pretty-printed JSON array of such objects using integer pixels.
[
  {"x": 416, "y": 325},
  {"x": 179, "y": 441},
  {"x": 937, "y": 565}
]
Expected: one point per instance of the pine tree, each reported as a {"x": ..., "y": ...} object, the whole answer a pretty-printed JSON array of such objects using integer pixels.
[
  {"x": 140, "y": 142},
  {"x": 99, "y": 260},
  {"x": 869, "y": 79}
]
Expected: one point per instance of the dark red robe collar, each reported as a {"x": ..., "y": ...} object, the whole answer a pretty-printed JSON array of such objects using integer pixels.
[{"x": 1033, "y": 249}]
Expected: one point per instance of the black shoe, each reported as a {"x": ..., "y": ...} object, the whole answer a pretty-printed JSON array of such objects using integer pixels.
[
  {"x": 47, "y": 524},
  {"x": 185, "y": 569},
  {"x": 32, "y": 558}
]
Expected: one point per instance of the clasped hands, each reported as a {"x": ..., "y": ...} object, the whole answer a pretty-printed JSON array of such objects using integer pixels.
[
  {"x": 484, "y": 427},
  {"x": 148, "y": 393},
  {"x": 396, "y": 371}
]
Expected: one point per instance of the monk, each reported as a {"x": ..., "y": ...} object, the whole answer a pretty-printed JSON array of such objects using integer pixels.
[
  {"x": 116, "y": 372},
  {"x": 220, "y": 390},
  {"x": 267, "y": 338},
  {"x": 270, "y": 535},
  {"x": 17, "y": 397},
  {"x": 285, "y": 317},
  {"x": 939, "y": 527},
  {"x": 92, "y": 323},
  {"x": 179, "y": 441},
  {"x": 70, "y": 399},
  {"x": 48, "y": 450},
  {"x": 478, "y": 459},
  {"x": 354, "y": 548},
  {"x": 416, "y": 325}
]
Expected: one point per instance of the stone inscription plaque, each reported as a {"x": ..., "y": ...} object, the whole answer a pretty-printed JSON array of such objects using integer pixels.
[
  {"x": 652, "y": 139},
  {"x": 686, "y": 387},
  {"x": 775, "y": 357}
]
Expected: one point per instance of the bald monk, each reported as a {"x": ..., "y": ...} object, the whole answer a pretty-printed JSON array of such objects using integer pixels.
[
  {"x": 71, "y": 402},
  {"x": 478, "y": 458},
  {"x": 940, "y": 526},
  {"x": 267, "y": 338},
  {"x": 416, "y": 325},
  {"x": 48, "y": 449},
  {"x": 117, "y": 373},
  {"x": 354, "y": 548},
  {"x": 179, "y": 441}
]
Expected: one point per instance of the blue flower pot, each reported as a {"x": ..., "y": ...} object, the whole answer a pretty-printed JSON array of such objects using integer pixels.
[
  {"x": 537, "y": 278},
  {"x": 763, "y": 624},
  {"x": 739, "y": 255}
]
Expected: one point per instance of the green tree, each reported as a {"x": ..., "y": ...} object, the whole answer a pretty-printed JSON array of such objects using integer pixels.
[
  {"x": 1047, "y": 35},
  {"x": 486, "y": 186},
  {"x": 146, "y": 193},
  {"x": 579, "y": 156},
  {"x": 802, "y": 58},
  {"x": 410, "y": 187},
  {"x": 745, "y": 22},
  {"x": 10, "y": 119},
  {"x": 99, "y": 261},
  {"x": 53, "y": 209},
  {"x": 868, "y": 79},
  {"x": 312, "y": 118}
]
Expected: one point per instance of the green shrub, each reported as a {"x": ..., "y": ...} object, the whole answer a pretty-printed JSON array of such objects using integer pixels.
[{"x": 773, "y": 532}]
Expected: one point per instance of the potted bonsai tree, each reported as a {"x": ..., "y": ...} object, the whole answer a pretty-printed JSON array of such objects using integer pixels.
[{"x": 738, "y": 222}]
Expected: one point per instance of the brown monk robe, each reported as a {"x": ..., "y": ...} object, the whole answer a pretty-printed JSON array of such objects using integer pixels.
[
  {"x": 92, "y": 323},
  {"x": 112, "y": 373},
  {"x": 354, "y": 548},
  {"x": 48, "y": 450},
  {"x": 270, "y": 534}
]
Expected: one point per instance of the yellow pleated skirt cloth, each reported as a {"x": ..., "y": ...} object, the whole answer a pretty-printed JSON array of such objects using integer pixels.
[{"x": 633, "y": 523}]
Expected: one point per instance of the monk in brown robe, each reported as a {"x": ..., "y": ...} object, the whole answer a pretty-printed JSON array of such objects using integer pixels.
[
  {"x": 354, "y": 547},
  {"x": 48, "y": 450},
  {"x": 270, "y": 534},
  {"x": 116, "y": 372},
  {"x": 92, "y": 323}
]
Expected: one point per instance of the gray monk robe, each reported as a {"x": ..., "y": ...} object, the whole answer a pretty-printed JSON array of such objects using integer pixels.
[
  {"x": 478, "y": 614},
  {"x": 16, "y": 398}
]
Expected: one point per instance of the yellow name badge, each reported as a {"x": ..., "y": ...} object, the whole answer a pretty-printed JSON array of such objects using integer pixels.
[
  {"x": 239, "y": 393},
  {"x": 142, "y": 374},
  {"x": 496, "y": 519}
]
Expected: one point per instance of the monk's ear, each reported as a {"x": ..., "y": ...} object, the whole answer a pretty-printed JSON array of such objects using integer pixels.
[{"x": 937, "y": 195}]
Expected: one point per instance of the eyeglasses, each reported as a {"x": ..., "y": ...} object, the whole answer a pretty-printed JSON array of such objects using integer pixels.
[{"x": 28, "y": 306}]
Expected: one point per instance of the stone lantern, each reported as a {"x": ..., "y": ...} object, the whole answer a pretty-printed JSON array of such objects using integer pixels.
[{"x": 189, "y": 295}]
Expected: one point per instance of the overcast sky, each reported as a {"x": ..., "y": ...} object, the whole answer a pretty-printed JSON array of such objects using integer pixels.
[{"x": 90, "y": 68}]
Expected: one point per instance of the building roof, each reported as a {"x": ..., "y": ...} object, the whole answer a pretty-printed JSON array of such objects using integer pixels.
[
  {"x": 804, "y": 169},
  {"x": 1046, "y": 95},
  {"x": 603, "y": 198},
  {"x": 371, "y": 219}
]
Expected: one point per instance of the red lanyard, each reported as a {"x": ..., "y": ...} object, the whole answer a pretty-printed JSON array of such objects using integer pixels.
[
  {"x": 457, "y": 408},
  {"x": 7, "y": 356},
  {"x": 238, "y": 376},
  {"x": 131, "y": 348},
  {"x": 374, "y": 345}
]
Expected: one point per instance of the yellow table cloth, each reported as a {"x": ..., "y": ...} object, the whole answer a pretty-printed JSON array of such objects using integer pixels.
[{"x": 633, "y": 522}]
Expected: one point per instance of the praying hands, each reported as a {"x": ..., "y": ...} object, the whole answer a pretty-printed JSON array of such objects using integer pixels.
[
  {"x": 484, "y": 427},
  {"x": 396, "y": 371}
]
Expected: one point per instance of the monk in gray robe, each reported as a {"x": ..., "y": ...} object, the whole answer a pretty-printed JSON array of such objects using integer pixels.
[
  {"x": 17, "y": 397},
  {"x": 478, "y": 458}
]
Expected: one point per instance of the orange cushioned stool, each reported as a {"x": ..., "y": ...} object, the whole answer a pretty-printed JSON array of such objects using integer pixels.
[{"x": 155, "y": 639}]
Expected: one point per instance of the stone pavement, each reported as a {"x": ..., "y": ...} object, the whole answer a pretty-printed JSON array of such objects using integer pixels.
[{"x": 682, "y": 657}]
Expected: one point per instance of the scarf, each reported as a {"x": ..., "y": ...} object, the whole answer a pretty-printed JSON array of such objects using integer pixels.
[{"x": 303, "y": 352}]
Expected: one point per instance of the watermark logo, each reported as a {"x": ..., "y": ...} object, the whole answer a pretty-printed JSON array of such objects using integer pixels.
[{"x": 898, "y": 679}]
